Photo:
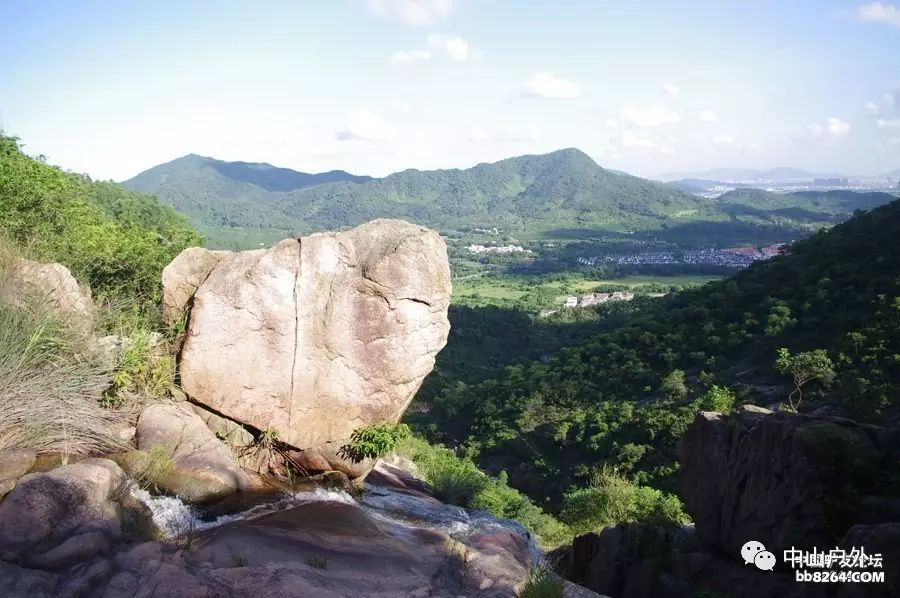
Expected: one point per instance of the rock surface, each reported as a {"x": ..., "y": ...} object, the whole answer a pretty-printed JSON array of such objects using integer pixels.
[
  {"x": 763, "y": 475},
  {"x": 317, "y": 337},
  {"x": 64, "y": 516},
  {"x": 202, "y": 468},
  {"x": 26, "y": 281},
  {"x": 14, "y": 463}
]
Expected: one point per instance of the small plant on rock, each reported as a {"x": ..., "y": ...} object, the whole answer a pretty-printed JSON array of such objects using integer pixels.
[{"x": 372, "y": 442}]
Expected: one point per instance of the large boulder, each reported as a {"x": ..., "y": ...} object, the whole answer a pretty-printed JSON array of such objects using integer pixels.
[
  {"x": 313, "y": 338},
  {"x": 199, "y": 467},
  {"x": 54, "y": 519},
  {"x": 24, "y": 281}
]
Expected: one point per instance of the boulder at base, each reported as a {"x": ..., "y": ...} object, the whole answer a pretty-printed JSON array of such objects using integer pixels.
[
  {"x": 313, "y": 338},
  {"x": 51, "y": 520},
  {"x": 200, "y": 467}
]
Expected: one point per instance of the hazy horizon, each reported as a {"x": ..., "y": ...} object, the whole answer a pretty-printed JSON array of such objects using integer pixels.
[{"x": 379, "y": 86}]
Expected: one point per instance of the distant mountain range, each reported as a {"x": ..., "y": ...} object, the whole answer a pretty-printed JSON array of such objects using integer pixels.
[
  {"x": 773, "y": 175},
  {"x": 548, "y": 194}
]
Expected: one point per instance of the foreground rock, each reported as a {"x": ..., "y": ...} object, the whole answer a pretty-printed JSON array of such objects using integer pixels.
[
  {"x": 55, "y": 519},
  {"x": 313, "y": 338},
  {"x": 52, "y": 284},
  {"x": 197, "y": 466},
  {"x": 331, "y": 547}
]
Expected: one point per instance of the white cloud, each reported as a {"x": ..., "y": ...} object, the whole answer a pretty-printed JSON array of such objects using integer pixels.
[
  {"x": 708, "y": 116},
  {"x": 671, "y": 89},
  {"x": 723, "y": 140},
  {"x": 611, "y": 122},
  {"x": 654, "y": 116},
  {"x": 879, "y": 12},
  {"x": 454, "y": 47},
  {"x": 418, "y": 13},
  {"x": 832, "y": 128},
  {"x": 633, "y": 139},
  {"x": 888, "y": 123},
  {"x": 545, "y": 85},
  {"x": 408, "y": 57},
  {"x": 872, "y": 108},
  {"x": 364, "y": 125},
  {"x": 837, "y": 127}
]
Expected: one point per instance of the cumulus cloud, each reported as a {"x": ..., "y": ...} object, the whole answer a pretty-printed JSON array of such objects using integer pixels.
[
  {"x": 708, "y": 116},
  {"x": 417, "y": 13},
  {"x": 545, "y": 85},
  {"x": 878, "y": 12},
  {"x": 364, "y": 125},
  {"x": 408, "y": 57},
  {"x": 630, "y": 139},
  {"x": 872, "y": 108},
  {"x": 654, "y": 116},
  {"x": 888, "y": 123},
  {"x": 453, "y": 46},
  {"x": 832, "y": 128},
  {"x": 671, "y": 89}
]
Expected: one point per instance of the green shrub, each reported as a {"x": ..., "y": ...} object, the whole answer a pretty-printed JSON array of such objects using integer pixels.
[
  {"x": 458, "y": 481},
  {"x": 373, "y": 442},
  {"x": 543, "y": 583},
  {"x": 718, "y": 398},
  {"x": 613, "y": 499}
]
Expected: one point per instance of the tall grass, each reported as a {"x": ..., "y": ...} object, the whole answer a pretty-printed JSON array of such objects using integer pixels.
[{"x": 50, "y": 382}]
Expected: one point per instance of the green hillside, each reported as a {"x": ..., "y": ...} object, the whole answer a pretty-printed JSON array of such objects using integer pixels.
[
  {"x": 623, "y": 398},
  {"x": 114, "y": 240},
  {"x": 548, "y": 195}
]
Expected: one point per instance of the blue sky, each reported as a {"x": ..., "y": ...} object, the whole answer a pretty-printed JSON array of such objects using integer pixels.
[{"x": 374, "y": 86}]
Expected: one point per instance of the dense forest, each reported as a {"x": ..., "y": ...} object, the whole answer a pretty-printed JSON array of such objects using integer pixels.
[{"x": 819, "y": 325}]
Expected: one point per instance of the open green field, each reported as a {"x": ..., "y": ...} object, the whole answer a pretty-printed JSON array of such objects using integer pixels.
[{"x": 514, "y": 288}]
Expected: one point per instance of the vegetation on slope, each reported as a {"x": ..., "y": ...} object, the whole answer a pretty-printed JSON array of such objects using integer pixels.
[
  {"x": 623, "y": 398},
  {"x": 113, "y": 240}
]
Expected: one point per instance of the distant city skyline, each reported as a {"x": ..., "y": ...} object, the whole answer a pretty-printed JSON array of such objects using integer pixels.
[{"x": 377, "y": 86}]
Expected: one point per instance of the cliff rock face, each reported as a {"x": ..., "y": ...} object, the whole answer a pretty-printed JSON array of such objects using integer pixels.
[
  {"x": 771, "y": 477},
  {"x": 316, "y": 337}
]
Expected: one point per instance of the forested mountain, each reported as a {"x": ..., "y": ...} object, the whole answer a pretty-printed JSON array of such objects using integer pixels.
[
  {"x": 216, "y": 193},
  {"x": 561, "y": 189},
  {"x": 624, "y": 398},
  {"x": 550, "y": 193}
]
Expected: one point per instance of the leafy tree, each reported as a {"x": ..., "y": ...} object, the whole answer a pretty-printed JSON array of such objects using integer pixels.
[
  {"x": 804, "y": 368},
  {"x": 673, "y": 385}
]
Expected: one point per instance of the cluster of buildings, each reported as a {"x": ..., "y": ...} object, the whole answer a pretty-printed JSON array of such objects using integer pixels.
[
  {"x": 592, "y": 299},
  {"x": 497, "y": 249},
  {"x": 733, "y": 257}
]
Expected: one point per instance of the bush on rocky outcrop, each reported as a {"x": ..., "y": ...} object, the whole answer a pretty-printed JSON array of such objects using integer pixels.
[{"x": 613, "y": 499}]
